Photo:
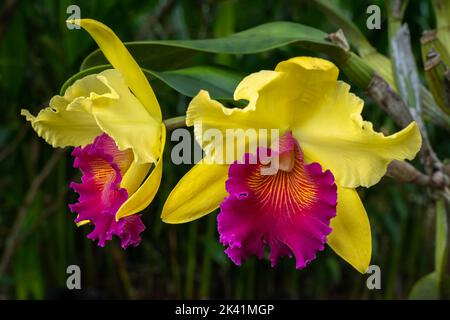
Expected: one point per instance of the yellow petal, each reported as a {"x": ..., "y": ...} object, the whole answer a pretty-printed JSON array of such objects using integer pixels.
[
  {"x": 210, "y": 116},
  {"x": 120, "y": 58},
  {"x": 60, "y": 127},
  {"x": 198, "y": 193},
  {"x": 144, "y": 195},
  {"x": 351, "y": 238},
  {"x": 126, "y": 121},
  {"x": 334, "y": 134},
  {"x": 305, "y": 83},
  {"x": 134, "y": 176},
  {"x": 251, "y": 86},
  {"x": 274, "y": 97},
  {"x": 88, "y": 90},
  {"x": 295, "y": 84}
]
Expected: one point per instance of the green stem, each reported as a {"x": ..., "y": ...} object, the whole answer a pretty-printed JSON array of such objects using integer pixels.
[
  {"x": 174, "y": 262},
  {"x": 192, "y": 260},
  {"x": 250, "y": 292},
  {"x": 207, "y": 260},
  {"x": 441, "y": 245},
  {"x": 395, "y": 11},
  {"x": 174, "y": 123},
  {"x": 356, "y": 69},
  {"x": 120, "y": 266}
]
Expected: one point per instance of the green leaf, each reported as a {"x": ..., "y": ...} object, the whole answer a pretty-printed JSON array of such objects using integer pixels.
[
  {"x": 427, "y": 288},
  {"x": 169, "y": 53},
  {"x": 155, "y": 55},
  {"x": 219, "y": 82},
  {"x": 441, "y": 250},
  {"x": 224, "y": 24}
]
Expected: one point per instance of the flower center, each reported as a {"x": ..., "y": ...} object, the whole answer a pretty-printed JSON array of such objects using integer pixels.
[{"x": 290, "y": 210}]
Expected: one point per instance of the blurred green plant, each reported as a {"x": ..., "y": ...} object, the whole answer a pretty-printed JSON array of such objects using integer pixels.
[{"x": 39, "y": 230}]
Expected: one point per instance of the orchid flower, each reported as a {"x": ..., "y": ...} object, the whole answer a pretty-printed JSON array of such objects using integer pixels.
[
  {"x": 326, "y": 151},
  {"x": 114, "y": 122}
]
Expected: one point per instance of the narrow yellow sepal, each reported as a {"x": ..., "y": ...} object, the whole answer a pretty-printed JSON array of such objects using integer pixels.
[
  {"x": 198, "y": 193},
  {"x": 351, "y": 238},
  {"x": 121, "y": 59},
  {"x": 144, "y": 195}
]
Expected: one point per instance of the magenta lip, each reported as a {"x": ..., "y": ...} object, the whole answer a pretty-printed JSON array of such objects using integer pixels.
[
  {"x": 100, "y": 194},
  {"x": 289, "y": 212}
]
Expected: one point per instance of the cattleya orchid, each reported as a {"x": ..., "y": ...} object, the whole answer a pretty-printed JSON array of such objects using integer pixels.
[
  {"x": 326, "y": 151},
  {"x": 114, "y": 122}
]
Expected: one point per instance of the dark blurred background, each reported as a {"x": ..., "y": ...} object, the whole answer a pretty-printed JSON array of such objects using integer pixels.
[{"x": 38, "y": 238}]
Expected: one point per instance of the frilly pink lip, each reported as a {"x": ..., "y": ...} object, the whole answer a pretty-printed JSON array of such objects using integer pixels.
[
  {"x": 289, "y": 211},
  {"x": 100, "y": 194}
]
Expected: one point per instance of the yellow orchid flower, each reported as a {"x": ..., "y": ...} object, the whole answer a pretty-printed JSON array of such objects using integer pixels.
[
  {"x": 301, "y": 207},
  {"x": 114, "y": 122}
]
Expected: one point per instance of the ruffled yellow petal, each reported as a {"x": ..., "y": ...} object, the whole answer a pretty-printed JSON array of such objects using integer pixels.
[
  {"x": 144, "y": 195},
  {"x": 120, "y": 58},
  {"x": 198, "y": 193},
  {"x": 274, "y": 97},
  {"x": 126, "y": 121},
  {"x": 334, "y": 134},
  {"x": 88, "y": 90},
  {"x": 293, "y": 86},
  {"x": 95, "y": 104},
  {"x": 63, "y": 127},
  {"x": 250, "y": 87},
  {"x": 351, "y": 238},
  {"x": 215, "y": 126},
  {"x": 304, "y": 84}
]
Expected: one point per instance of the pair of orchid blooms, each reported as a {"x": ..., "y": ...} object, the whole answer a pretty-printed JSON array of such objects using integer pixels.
[{"x": 326, "y": 150}]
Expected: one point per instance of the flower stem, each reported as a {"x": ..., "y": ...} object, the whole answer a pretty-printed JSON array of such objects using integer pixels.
[
  {"x": 174, "y": 123},
  {"x": 205, "y": 282}
]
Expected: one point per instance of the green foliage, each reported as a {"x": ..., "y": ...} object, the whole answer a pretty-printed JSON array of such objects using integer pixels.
[
  {"x": 426, "y": 288},
  {"x": 436, "y": 285},
  {"x": 441, "y": 251},
  {"x": 218, "y": 81},
  {"x": 38, "y": 54},
  {"x": 255, "y": 40}
]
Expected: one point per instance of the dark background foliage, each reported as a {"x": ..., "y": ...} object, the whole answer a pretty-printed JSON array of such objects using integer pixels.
[{"x": 38, "y": 238}]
